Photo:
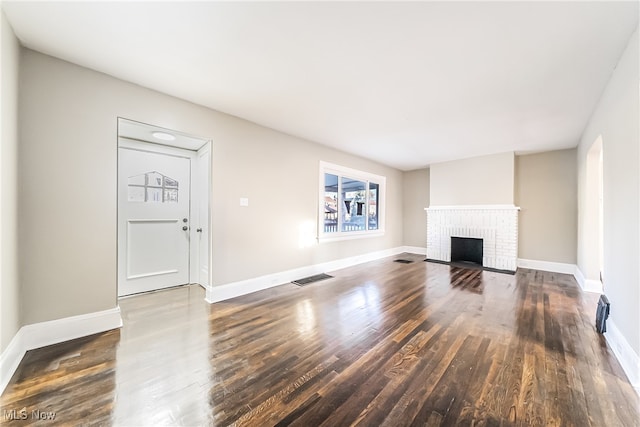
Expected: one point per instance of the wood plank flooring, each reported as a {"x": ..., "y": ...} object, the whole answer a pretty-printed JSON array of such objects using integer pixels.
[{"x": 380, "y": 344}]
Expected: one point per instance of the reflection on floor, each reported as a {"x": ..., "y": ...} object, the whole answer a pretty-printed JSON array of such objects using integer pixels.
[{"x": 382, "y": 343}]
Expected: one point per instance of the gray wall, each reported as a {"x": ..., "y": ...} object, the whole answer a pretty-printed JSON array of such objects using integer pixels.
[
  {"x": 9, "y": 289},
  {"x": 415, "y": 199},
  {"x": 486, "y": 180},
  {"x": 68, "y": 117},
  {"x": 546, "y": 192},
  {"x": 616, "y": 119}
]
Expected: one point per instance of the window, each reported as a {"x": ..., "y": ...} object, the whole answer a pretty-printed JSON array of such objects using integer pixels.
[
  {"x": 351, "y": 203},
  {"x": 152, "y": 187}
]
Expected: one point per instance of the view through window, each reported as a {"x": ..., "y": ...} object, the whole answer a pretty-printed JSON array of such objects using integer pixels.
[{"x": 352, "y": 201}]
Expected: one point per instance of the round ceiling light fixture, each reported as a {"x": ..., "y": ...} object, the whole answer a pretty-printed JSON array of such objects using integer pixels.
[{"x": 163, "y": 136}]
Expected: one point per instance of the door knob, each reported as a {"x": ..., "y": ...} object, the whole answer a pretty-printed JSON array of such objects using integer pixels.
[
  {"x": 185, "y": 220},
  {"x": 185, "y": 228},
  {"x": 199, "y": 230}
]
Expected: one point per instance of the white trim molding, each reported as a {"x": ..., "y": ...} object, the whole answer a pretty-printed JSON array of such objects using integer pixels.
[
  {"x": 244, "y": 287},
  {"x": 10, "y": 359},
  {"x": 42, "y": 334},
  {"x": 629, "y": 360},
  {"x": 587, "y": 285},
  {"x": 554, "y": 267}
]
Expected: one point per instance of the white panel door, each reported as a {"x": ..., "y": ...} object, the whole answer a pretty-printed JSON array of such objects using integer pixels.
[{"x": 153, "y": 220}]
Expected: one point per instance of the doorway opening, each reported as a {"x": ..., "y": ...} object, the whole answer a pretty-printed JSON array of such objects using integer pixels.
[
  {"x": 595, "y": 208},
  {"x": 164, "y": 187}
]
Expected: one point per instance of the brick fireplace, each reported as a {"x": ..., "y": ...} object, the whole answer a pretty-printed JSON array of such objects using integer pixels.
[{"x": 496, "y": 225}]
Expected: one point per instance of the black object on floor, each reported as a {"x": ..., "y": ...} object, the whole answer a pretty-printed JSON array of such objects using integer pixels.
[
  {"x": 602, "y": 313},
  {"x": 403, "y": 261},
  {"x": 311, "y": 279}
]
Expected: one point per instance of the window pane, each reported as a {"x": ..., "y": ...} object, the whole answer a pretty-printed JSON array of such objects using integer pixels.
[
  {"x": 353, "y": 198},
  {"x": 152, "y": 187},
  {"x": 170, "y": 182},
  {"x": 374, "y": 195},
  {"x": 171, "y": 195},
  {"x": 330, "y": 203},
  {"x": 135, "y": 194},
  {"x": 154, "y": 194}
]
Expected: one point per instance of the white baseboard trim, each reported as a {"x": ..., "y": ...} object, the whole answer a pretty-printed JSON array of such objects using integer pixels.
[
  {"x": 587, "y": 285},
  {"x": 628, "y": 358},
  {"x": 42, "y": 334},
  {"x": 10, "y": 359},
  {"x": 418, "y": 250},
  {"x": 554, "y": 267},
  {"x": 244, "y": 287}
]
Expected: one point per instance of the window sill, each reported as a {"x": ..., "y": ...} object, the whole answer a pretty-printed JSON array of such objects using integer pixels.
[{"x": 349, "y": 236}]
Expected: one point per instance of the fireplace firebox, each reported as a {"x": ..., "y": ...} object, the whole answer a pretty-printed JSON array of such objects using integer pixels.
[{"x": 467, "y": 250}]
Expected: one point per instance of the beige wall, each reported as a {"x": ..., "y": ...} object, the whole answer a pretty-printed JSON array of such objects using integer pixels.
[
  {"x": 415, "y": 199},
  {"x": 67, "y": 172},
  {"x": 486, "y": 180},
  {"x": 9, "y": 289},
  {"x": 546, "y": 192},
  {"x": 68, "y": 117},
  {"x": 616, "y": 118}
]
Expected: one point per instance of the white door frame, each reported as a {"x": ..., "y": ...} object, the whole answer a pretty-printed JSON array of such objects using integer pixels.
[
  {"x": 202, "y": 191},
  {"x": 199, "y": 190}
]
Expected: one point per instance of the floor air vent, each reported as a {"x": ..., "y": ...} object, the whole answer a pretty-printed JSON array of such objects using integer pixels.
[
  {"x": 403, "y": 261},
  {"x": 311, "y": 279}
]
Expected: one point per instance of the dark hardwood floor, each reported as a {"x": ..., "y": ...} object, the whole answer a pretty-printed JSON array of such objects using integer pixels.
[{"x": 381, "y": 344}]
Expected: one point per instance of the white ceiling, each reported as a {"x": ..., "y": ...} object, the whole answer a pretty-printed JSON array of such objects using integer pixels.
[{"x": 405, "y": 84}]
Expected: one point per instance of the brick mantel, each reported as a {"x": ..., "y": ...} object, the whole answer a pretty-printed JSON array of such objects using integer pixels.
[{"x": 496, "y": 225}]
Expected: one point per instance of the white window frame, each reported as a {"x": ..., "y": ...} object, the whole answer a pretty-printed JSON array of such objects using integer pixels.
[{"x": 367, "y": 177}]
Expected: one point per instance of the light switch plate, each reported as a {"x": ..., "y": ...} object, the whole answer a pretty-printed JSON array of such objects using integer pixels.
[{"x": 244, "y": 201}]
